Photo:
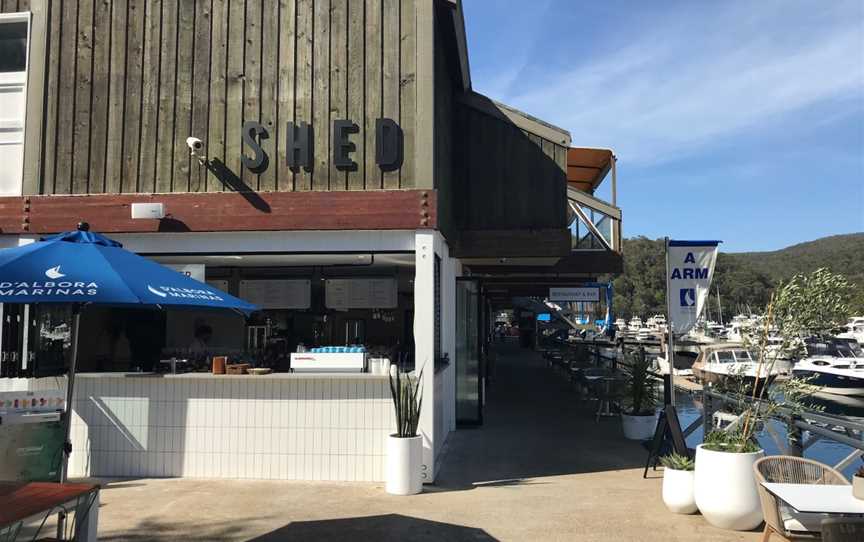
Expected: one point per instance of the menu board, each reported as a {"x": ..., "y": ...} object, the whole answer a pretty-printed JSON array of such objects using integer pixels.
[
  {"x": 277, "y": 294},
  {"x": 378, "y": 293},
  {"x": 219, "y": 285}
]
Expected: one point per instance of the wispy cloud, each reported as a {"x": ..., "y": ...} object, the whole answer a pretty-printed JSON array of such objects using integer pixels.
[{"x": 678, "y": 84}]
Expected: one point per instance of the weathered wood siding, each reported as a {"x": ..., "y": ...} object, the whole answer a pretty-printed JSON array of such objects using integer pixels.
[
  {"x": 444, "y": 92},
  {"x": 504, "y": 177},
  {"x": 127, "y": 81}
]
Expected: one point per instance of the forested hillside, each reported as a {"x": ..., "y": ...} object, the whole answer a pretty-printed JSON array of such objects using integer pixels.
[{"x": 744, "y": 279}]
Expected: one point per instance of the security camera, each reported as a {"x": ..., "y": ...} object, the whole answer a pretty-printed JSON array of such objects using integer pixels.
[
  {"x": 194, "y": 144},
  {"x": 196, "y": 148}
]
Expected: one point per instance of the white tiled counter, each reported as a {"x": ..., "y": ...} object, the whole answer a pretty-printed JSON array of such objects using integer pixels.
[{"x": 278, "y": 426}]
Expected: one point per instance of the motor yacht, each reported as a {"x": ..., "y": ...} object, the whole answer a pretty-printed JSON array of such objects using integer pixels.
[
  {"x": 727, "y": 363},
  {"x": 835, "y": 365},
  {"x": 656, "y": 323},
  {"x": 854, "y": 330}
]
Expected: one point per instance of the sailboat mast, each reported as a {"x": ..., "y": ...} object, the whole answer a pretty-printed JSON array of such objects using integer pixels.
[{"x": 719, "y": 305}]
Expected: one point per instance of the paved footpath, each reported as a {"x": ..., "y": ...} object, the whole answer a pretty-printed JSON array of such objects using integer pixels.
[{"x": 539, "y": 469}]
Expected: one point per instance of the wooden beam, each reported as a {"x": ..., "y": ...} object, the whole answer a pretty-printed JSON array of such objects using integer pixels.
[
  {"x": 595, "y": 203},
  {"x": 225, "y": 211},
  {"x": 583, "y": 263},
  {"x": 512, "y": 243}
]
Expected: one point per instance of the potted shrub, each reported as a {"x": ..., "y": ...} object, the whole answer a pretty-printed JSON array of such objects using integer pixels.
[
  {"x": 405, "y": 446},
  {"x": 725, "y": 487},
  {"x": 678, "y": 484},
  {"x": 858, "y": 484},
  {"x": 639, "y": 417}
]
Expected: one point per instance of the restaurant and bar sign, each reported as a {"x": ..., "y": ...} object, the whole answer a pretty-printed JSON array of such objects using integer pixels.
[
  {"x": 574, "y": 294},
  {"x": 389, "y": 151}
]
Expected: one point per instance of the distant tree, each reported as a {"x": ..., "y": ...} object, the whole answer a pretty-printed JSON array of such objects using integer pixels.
[
  {"x": 745, "y": 280},
  {"x": 817, "y": 302},
  {"x": 641, "y": 289},
  {"x": 742, "y": 288}
]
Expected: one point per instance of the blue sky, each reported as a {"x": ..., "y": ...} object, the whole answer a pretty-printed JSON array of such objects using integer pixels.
[{"x": 740, "y": 121}]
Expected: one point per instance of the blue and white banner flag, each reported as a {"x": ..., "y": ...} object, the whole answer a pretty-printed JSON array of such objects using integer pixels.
[{"x": 689, "y": 270}]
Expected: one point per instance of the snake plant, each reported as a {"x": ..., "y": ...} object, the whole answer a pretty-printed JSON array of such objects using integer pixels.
[{"x": 407, "y": 401}]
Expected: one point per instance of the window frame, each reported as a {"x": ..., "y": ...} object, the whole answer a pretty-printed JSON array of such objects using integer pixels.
[
  {"x": 15, "y": 80},
  {"x": 18, "y": 78}
]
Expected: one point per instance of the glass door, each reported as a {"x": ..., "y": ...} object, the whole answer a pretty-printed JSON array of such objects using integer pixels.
[{"x": 469, "y": 372}]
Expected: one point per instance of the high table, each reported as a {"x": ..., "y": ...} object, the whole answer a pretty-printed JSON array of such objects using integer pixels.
[
  {"x": 818, "y": 499},
  {"x": 20, "y": 502}
]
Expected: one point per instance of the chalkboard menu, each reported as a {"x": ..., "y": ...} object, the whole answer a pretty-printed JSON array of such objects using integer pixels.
[
  {"x": 377, "y": 293},
  {"x": 277, "y": 294}
]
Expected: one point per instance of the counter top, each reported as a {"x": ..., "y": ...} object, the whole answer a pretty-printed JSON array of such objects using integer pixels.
[{"x": 253, "y": 378}]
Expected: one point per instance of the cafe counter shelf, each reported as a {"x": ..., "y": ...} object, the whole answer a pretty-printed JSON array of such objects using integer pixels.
[
  {"x": 270, "y": 376},
  {"x": 280, "y": 426}
]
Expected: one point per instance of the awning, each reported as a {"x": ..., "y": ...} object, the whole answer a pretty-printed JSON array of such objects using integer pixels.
[{"x": 586, "y": 168}]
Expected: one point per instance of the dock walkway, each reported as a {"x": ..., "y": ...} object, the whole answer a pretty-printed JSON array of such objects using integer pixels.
[{"x": 539, "y": 469}]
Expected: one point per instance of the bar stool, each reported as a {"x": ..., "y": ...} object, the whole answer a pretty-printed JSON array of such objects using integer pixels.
[{"x": 609, "y": 394}]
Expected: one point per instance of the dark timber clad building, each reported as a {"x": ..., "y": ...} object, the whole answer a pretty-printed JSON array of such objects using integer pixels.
[{"x": 336, "y": 139}]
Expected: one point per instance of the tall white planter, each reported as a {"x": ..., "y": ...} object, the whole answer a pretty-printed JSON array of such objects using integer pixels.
[
  {"x": 726, "y": 489},
  {"x": 638, "y": 427},
  {"x": 404, "y": 465},
  {"x": 679, "y": 491}
]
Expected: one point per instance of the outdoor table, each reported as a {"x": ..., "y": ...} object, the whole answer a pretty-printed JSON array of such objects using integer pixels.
[
  {"x": 22, "y": 501},
  {"x": 817, "y": 499}
]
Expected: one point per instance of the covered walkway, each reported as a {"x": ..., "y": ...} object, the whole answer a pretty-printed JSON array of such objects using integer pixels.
[{"x": 540, "y": 469}]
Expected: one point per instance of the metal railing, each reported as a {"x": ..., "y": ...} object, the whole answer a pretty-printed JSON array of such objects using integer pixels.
[
  {"x": 817, "y": 425},
  {"x": 804, "y": 428}
]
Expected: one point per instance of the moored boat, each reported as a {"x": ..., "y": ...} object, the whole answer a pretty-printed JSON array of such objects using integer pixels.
[
  {"x": 835, "y": 365},
  {"x": 729, "y": 364},
  {"x": 854, "y": 329}
]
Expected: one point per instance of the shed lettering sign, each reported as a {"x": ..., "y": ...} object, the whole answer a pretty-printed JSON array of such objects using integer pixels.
[{"x": 389, "y": 151}]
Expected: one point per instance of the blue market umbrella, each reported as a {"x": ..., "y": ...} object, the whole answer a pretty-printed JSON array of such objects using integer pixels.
[{"x": 82, "y": 268}]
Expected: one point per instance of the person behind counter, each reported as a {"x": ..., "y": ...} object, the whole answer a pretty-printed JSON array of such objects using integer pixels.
[
  {"x": 200, "y": 344},
  {"x": 145, "y": 331}
]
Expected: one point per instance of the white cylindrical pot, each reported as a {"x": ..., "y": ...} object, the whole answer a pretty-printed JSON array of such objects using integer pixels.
[
  {"x": 726, "y": 489},
  {"x": 858, "y": 487},
  {"x": 638, "y": 427},
  {"x": 404, "y": 465},
  {"x": 678, "y": 491}
]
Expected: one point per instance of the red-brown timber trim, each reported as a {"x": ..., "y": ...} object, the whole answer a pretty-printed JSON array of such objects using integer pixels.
[{"x": 225, "y": 211}]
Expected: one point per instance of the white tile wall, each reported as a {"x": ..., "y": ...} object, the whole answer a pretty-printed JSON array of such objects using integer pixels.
[{"x": 328, "y": 428}]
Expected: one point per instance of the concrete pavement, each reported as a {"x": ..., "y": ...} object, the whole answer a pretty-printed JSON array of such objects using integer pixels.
[{"x": 539, "y": 468}]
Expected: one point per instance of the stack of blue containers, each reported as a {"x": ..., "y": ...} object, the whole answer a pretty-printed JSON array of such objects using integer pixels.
[{"x": 339, "y": 350}]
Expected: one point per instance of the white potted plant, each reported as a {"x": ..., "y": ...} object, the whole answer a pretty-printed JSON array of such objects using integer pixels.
[
  {"x": 405, "y": 446},
  {"x": 678, "y": 484},
  {"x": 639, "y": 417},
  {"x": 858, "y": 484},
  {"x": 725, "y": 486}
]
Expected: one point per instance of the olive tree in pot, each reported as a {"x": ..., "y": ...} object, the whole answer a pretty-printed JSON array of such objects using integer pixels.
[
  {"x": 639, "y": 417},
  {"x": 678, "y": 484},
  {"x": 726, "y": 492},
  {"x": 405, "y": 446}
]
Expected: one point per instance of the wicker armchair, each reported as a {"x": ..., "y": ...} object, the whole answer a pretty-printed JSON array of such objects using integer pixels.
[{"x": 779, "y": 519}]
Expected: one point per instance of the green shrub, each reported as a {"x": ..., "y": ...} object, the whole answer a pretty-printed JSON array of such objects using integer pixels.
[{"x": 677, "y": 462}]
